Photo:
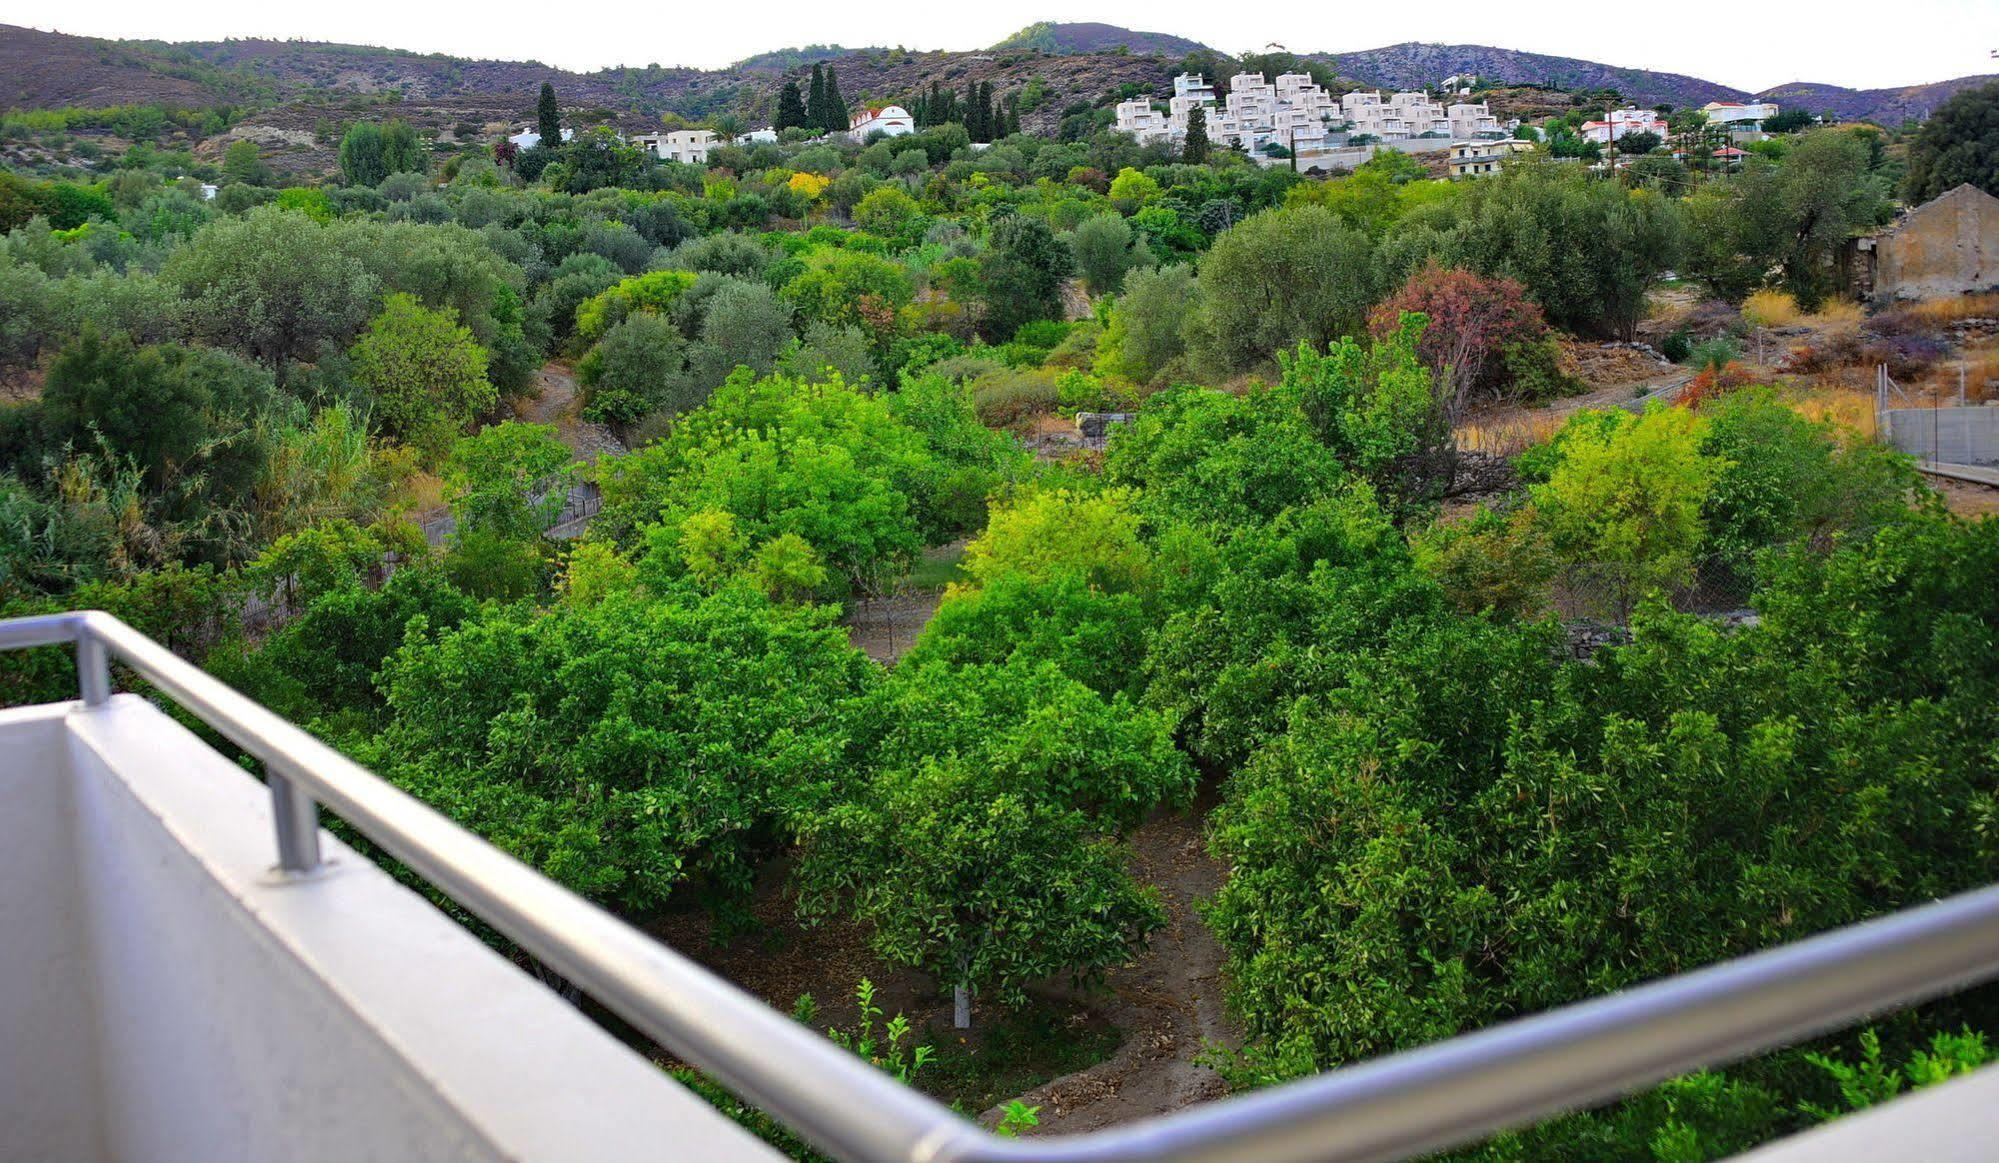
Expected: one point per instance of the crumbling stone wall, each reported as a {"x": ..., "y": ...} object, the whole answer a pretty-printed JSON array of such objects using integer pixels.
[{"x": 1947, "y": 246}]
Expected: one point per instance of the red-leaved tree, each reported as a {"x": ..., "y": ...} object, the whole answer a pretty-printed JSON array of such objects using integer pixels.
[{"x": 1473, "y": 319}]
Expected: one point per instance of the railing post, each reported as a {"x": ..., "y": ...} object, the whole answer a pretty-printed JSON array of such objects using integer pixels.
[
  {"x": 93, "y": 669},
  {"x": 297, "y": 820}
]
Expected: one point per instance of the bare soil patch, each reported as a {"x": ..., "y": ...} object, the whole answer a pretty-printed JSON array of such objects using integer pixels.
[{"x": 1168, "y": 1002}]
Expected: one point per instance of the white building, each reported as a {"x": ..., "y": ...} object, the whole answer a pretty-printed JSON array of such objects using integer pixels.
[
  {"x": 1622, "y": 123},
  {"x": 680, "y": 145},
  {"x": 892, "y": 120},
  {"x": 1139, "y": 118},
  {"x": 1471, "y": 159},
  {"x": 765, "y": 136},
  {"x": 528, "y": 138},
  {"x": 1473, "y": 119},
  {"x": 1293, "y": 112},
  {"x": 1735, "y": 115}
]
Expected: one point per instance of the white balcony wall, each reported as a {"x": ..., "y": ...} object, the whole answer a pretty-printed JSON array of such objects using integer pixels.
[{"x": 166, "y": 996}]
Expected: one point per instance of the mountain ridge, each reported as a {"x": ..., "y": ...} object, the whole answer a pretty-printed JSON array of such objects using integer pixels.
[{"x": 1075, "y": 62}]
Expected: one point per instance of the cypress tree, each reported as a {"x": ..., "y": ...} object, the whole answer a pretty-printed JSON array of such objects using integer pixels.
[
  {"x": 973, "y": 125},
  {"x": 548, "y": 117},
  {"x": 790, "y": 107},
  {"x": 1196, "y": 150},
  {"x": 1012, "y": 115},
  {"x": 836, "y": 105},
  {"x": 815, "y": 104}
]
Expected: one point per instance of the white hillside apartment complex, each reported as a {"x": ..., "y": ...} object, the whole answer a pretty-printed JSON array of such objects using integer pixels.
[{"x": 1297, "y": 113}]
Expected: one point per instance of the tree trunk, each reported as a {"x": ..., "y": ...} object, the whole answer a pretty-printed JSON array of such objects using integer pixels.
[{"x": 961, "y": 996}]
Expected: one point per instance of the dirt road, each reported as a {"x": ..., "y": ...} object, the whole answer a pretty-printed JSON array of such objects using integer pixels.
[{"x": 1168, "y": 1002}]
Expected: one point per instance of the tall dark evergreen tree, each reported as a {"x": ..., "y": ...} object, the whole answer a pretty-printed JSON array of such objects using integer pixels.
[
  {"x": 836, "y": 105},
  {"x": 973, "y": 125},
  {"x": 815, "y": 101},
  {"x": 988, "y": 112},
  {"x": 790, "y": 107},
  {"x": 1012, "y": 114},
  {"x": 1196, "y": 149},
  {"x": 548, "y": 117}
]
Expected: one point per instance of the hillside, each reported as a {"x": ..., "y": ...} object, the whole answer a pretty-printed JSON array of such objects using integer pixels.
[
  {"x": 1064, "y": 39},
  {"x": 295, "y": 84},
  {"x": 1410, "y": 65}
]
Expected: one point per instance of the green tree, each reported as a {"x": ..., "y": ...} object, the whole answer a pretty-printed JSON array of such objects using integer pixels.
[
  {"x": 1021, "y": 273},
  {"x": 815, "y": 101},
  {"x": 637, "y": 369},
  {"x": 1149, "y": 324},
  {"x": 273, "y": 286},
  {"x": 508, "y": 480},
  {"x": 836, "y": 105},
  {"x": 1194, "y": 151},
  {"x": 630, "y": 746},
  {"x": 790, "y": 113},
  {"x": 548, "y": 118},
  {"x": 1105, "y": 249},
  {"x": 1587, "y": 251},
  {"x": 402, "y": 149},
  {"x": 980, "y": 850},
  {"x": 425, "y": 374},
  {"x": 1958, "y": 144},
  {"x": 361, "y": 154},
  {"x": 1790, "y": 120},
  {"x": 187, "y": 418},
  {"x": 1624, "y": 498},
  {"x": 243, "y": 162},
  {"x": 1278, "y": 279}
]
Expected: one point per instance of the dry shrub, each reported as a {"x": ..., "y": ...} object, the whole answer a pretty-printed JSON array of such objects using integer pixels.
[
  {"x": 1935, "y": 316},
  {"x": 1907, "y": 356},
  {"x": 1849, "y": 409},
  {"x": 418, "y": 493},
  {"x": 1009, "y": 399},
  {"x": 1771, "y": 309},
  {"x": 1509, "y": 437},
  {"x": 1840, "y": 313},
  {"x": 1714, "y": 382},
  {"x": 1980, "y": 306}
]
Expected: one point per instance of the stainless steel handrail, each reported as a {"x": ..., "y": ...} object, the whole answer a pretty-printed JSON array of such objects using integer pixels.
[{"x": 1405, "y": 1104}]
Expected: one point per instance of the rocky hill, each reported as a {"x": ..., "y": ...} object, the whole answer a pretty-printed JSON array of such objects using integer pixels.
[
  {"x": 1057, "y": 38},
  {"x": 1410, "y": 65},
  {"x": 1407, "y": 66}
]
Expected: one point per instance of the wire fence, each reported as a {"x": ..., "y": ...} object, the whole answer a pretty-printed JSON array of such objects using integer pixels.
[{"x": 1606, "y": 593}]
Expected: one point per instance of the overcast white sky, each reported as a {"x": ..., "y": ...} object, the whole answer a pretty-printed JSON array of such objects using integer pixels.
[{"x": 1742, "y": 43}]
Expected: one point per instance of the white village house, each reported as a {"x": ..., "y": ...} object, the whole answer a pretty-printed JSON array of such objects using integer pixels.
[
  {"x": 528, "y": 138},
  {"x": 1622, "y": 123},
  {"x": 1471, "y": 159},
  {"x": 1739, "y": 115},
  {"x": 891, "y": 120},
  {"x": 680, "y": 145}
]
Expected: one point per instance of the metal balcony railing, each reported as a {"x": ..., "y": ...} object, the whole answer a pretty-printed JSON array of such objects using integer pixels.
[{"x": 1406, "y": 1104}]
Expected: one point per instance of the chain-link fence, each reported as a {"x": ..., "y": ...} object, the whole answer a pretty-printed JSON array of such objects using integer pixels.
[{"x": 1607, "y": 592}]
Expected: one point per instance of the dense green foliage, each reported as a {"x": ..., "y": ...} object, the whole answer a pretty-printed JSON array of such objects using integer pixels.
[{"x": 1434, "y": 811}]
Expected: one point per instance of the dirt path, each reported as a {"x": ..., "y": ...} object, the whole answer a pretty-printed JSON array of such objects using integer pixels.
[
  {"x": 885, "y": 628},
  {"x": 1168, "y": 1002},
  {"x": 556, "y": 401}
]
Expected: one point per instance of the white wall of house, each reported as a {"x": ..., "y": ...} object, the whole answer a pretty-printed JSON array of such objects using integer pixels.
[
  {"x": 892, "y": 120},
  {"x": 528, "y": 138}
]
